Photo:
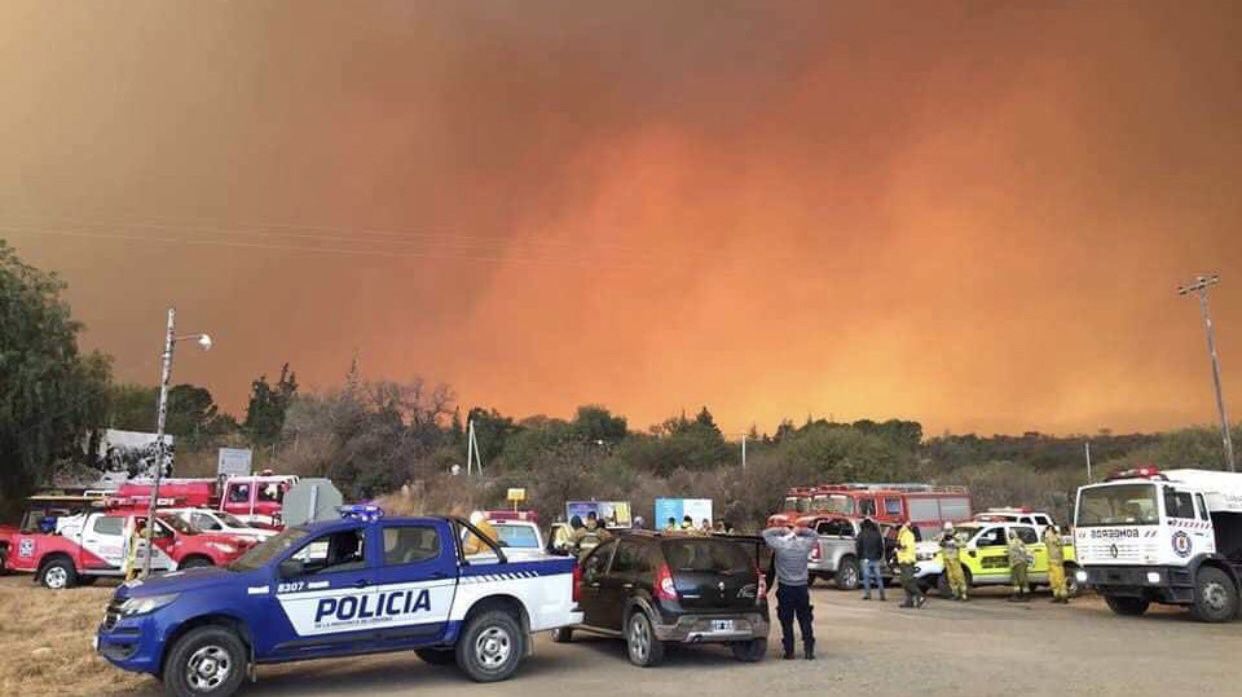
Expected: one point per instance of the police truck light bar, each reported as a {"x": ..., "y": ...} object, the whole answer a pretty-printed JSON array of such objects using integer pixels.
[
  {"x": 364, "y": 512},
  {"x": 1148, "y": 472}
]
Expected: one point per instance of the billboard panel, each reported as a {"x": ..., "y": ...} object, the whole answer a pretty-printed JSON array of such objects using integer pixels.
[
  {"x": 676, "y": 510},
  {"x": 132, "y": 455},
  {"x": 612, "y": 514}
]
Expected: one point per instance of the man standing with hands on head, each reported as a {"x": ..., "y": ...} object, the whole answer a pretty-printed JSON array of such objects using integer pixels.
[{"x": 792, "y": 549}]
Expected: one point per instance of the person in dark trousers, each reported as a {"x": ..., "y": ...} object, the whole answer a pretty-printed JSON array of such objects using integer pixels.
[
  {"x": 906, "y": 557},
  {"x": 870, "y": 550},
  {"x": 791, "y": 550}
]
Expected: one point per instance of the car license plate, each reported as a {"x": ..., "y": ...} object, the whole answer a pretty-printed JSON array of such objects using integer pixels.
[{"x": 722, "y": 625}]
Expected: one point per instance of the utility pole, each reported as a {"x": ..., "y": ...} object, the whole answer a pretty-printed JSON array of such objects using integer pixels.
[
  {"x": 1087, "y": 447},
  {"x": 161, "y": 416},
  {"x": 1200, "y": 287},
  {"x": 744, "y": 451}
]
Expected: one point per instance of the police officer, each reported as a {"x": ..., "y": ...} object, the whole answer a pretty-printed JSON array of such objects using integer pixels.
[
  {"x": 950, "y": 551},
  {"x": 1056, "y": 565},
  {"x": 906, "y": 557},
  {"x": 791, "y": 555},
  {"x": 1019, "y": 560},
  {"x": 589, "y": 536}
]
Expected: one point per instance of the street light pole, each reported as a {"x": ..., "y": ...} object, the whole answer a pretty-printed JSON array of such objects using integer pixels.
[
  {"x": 161, "y": 417},
  {"x": 1200, "y": 287}
]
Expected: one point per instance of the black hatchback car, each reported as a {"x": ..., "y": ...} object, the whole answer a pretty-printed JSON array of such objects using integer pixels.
[{"x": 654, "y": 589}]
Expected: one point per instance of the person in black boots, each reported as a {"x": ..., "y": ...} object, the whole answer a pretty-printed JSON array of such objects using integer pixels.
[{"x": 791, "y": 549}]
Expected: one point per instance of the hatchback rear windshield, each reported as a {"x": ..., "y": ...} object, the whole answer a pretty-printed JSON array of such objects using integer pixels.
[{"x": 718, "y": 556}]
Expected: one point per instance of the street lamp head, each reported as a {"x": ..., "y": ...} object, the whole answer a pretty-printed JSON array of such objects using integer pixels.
[{"x": 204, "y": 342}]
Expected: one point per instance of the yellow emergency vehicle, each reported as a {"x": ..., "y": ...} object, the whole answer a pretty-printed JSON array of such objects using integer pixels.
[{"x": 985, "y": 557}]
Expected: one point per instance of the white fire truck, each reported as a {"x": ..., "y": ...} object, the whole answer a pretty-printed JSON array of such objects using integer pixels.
[{"x": 1172, "y": 537}]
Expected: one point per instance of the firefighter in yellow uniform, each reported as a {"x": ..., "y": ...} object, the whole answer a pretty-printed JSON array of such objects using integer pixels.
[
  {"x": 132, "y": 543},
  {"x": 950, "y": 550},
  {"x": 1019, "y": 562},
  {"x": 906, "y": 557},
  {"x": 1056, "y": 565},
  {"x": 472, "y": 544}
]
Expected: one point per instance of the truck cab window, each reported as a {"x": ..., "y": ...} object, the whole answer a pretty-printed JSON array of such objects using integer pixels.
[
  {"x": 108, "y": 525},
  {"x": 1027, "y": 535},
  {"x": 338, "y": 551},
  {"x": 1178, "y": 504},
  {"x": 410, "y": 544},
  {"x": 992, "y": 537}
]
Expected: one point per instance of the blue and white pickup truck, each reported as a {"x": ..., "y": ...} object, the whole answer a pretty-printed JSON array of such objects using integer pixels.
[{"x": 362, "y": 584}]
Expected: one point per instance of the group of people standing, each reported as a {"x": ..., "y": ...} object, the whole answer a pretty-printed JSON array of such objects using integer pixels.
[{"x": 791, "y": 547}]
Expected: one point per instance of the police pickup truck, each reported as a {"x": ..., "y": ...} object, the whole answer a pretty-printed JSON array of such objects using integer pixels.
[{"x": 362, "y": 584}]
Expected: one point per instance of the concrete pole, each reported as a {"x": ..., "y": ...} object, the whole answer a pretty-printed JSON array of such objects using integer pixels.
[{"x": 160, "y": 420}]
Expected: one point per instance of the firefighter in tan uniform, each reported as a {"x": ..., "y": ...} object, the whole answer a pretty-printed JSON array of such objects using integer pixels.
[
  {"x": 1019, "y": 563},
  {"x": 950, "y": 550}
]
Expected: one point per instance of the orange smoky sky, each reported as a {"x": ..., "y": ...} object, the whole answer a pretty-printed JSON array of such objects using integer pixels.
[{"x": 970, "y": 214}]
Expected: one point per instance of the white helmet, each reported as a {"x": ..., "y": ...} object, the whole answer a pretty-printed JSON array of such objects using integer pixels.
[
  {"x": 477, "y": 518},
  {"x": 948, "y": 525}
]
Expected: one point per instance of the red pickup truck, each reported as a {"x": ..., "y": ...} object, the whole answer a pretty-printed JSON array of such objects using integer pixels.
[{"x": 82, "y": 546}]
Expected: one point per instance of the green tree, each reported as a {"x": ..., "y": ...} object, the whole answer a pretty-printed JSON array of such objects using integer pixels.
[
  {"x": 50, "y": 395},
  {"x": 596, "y": 424},
  {"x": 265, "y": 415}
]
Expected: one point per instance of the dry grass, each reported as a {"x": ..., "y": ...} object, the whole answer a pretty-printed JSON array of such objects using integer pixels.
[{"x": 45, "y": 642}]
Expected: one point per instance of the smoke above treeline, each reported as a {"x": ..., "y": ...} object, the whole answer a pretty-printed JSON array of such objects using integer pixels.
[{"x": 974, "y": 215}]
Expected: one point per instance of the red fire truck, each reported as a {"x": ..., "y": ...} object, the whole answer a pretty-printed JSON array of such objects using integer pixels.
[
  {"x": 257, "y": 500},
  {"x": 926, "y": 505},
  {"x": 72, "y": 540}
]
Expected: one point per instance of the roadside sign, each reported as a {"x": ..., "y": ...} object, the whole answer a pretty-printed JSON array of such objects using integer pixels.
[
  {"x": 233, "y": 462},
  {"x": 517, "y": 495}
]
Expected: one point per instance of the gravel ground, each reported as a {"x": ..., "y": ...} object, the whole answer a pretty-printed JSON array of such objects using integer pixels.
[{"x": 985, "y": 647}]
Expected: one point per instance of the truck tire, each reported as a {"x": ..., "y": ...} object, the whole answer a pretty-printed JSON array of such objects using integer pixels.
[
  {"x": 644, "y": 649},
  {"x": 58, "y": 574},
  {"x": 437, "y": 657},
  {"x": 751, "y": 651},
  {"x": 195, "y": 562},
  {"x": 563, "y": 635},
  {"x": 1072, "y": 587},
  {"x": 209, "y": 661},
  {"x": 1123, "y": 605},
  {"x": 491, "y": 647},
  {"x": 847, "y": 574},
  {"x": 1216, "y": 598}
]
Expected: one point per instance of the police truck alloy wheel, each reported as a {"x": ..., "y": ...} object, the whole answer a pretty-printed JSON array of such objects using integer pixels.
[
  {"x": 1216, "y": 598},
  {"x": 59, "y": 574},
  {"x": 206, "y": 661},
  {"x": 491, "y": 647},
  {"x": 644, "y": 649}
]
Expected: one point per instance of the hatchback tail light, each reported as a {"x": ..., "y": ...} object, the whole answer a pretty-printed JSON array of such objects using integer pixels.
[
  {"x": 763, "y": 586},
  {"x": 816, "y": 554},
  {"x": 577, "y": 582},
  {"x": 665, "y": 589}
]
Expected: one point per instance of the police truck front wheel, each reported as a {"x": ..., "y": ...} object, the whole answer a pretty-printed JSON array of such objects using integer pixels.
[
  {"x": 491, "y": 647},
  {"x": 206, "y": 661},
  {"x": 58, "y": 574},
  {"x": 1216, "y": 598},
  {"x": 1123, "y": 605}
]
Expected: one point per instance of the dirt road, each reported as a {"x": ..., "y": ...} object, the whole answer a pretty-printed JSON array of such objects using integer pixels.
[{"x": 986, "y": 647}]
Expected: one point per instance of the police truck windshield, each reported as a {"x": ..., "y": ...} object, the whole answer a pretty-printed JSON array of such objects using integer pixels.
[
  {"x": 800, "y": 504},
  {"x": 1118, "y": 504},
  {"x": 264, "y": 552}
]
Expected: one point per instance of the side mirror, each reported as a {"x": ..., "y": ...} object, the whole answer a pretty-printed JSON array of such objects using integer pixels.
[{"x": 290, "y": 568}]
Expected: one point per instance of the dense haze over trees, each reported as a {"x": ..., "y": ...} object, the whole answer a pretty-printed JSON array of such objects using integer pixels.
[{"x": 373, "y": 437}]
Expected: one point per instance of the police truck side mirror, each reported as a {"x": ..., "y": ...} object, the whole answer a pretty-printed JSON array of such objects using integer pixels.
[{"x": 290, "y": 568}]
